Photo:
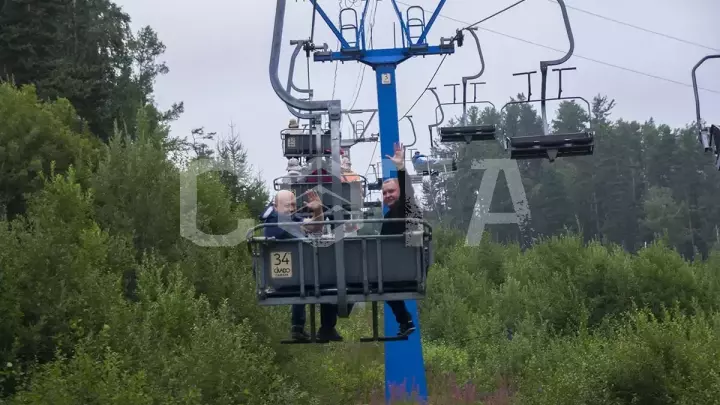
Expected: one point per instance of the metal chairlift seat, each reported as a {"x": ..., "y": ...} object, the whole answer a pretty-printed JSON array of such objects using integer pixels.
[
  {"x": 376, "y": 268},
  {"x": 551, "y": 146},
  {"x": 467, "y": 134}
]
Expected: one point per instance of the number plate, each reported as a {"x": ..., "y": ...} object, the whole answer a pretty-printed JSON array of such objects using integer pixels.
[{"x": 281, "y": 265}]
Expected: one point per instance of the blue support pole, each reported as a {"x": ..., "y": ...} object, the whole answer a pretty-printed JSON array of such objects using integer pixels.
[{"x": 404, "y": 363}]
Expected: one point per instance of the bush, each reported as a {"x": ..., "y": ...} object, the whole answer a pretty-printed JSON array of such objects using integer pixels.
[{"x": 33, "y": 136}]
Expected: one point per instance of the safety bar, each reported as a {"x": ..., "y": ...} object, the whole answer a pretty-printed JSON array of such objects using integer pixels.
[
  {"x": 284, "y": 95},
  {"x": 277, "y": 181},
  {"x": 426, "y": 227},
  {"x": 587, "y": 103},
  {"x": 433, "y": 90},
  {"x": 291, "y": 85}
]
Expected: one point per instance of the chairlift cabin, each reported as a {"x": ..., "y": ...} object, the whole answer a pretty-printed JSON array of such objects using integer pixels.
[
  {"x": 551, "y": 145},
  {"x": 709, "y": 137}
]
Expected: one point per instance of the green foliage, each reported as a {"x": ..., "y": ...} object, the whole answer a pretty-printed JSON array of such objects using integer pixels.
[
  {"x": 104, "y": 299},
  {"x": 35, "y": 135}
]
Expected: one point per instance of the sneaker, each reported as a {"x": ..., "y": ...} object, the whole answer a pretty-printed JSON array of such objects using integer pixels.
[
  {"x": 406, "y": 328},
  {"x": 329, "y": 334},
  {"x": 298, "y": 334}
]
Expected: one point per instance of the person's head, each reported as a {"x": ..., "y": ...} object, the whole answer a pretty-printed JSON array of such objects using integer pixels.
[
  {"x": 345, "y": 165},
  {"x": 285, "y": 202},
  {"x": 292, "y": 123},
  {"x": 390, "y": 191},
  {"x": 293, "y": 165}
]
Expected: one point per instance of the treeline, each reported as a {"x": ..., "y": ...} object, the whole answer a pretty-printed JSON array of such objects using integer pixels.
[{"x": 644, "y": 181}]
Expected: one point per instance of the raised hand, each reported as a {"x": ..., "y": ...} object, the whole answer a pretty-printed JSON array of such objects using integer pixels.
[
  {"x": 399, "y": 158},
  {"x": 313, "y": 201}
]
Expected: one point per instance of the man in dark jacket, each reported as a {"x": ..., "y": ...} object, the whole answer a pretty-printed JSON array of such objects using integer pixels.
[
  {"x": 284, "y": 210},
  {"x": 398, "y": 195}
]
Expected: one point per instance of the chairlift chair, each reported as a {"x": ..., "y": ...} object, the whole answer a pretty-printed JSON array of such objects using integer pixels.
[
  {"x": 709, "y": 137},
  {"x": 551, "y": 145},
  {"x": 376, "y": 268},
  {"x": 468, "y": 133},
  {"x": 321, "y": 269}
]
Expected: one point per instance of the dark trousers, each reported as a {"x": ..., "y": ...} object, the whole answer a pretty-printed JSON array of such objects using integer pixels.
[
  {"x": 328, "y": 315},
  {"x": 402, "y": 315}
]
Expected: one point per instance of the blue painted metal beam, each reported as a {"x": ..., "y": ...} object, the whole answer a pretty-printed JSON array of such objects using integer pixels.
[
  {"x": 362, "y": 25},
  {"x": 383, "y": 56},
  {"x": 430, "y": 23},
  {"x": 331, "y": 25},
  {"x": 403, "y": 27},
  {"x": 404, "y": 363}
]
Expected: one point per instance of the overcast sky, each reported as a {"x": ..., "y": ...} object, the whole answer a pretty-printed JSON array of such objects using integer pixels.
[{"x": 218, "y": 53}]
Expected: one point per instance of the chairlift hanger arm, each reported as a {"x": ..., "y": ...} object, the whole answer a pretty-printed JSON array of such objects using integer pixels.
[
  {"x": 332, "y": 106},
  {"x": 299, "y": 44},
  {"x": 695, "y": 88},
  {"x": 465, "y": 79},
  {"x": 433, "y": 90},
  {"x": 544, "y": 64},
  {"x": 412, "y": 124},
  {"x": 571, "y": 39},
  {"x": 291, "y": 85}
]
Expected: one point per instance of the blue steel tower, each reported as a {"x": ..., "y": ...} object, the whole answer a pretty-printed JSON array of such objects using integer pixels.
[{"x": 404, "y": 364}]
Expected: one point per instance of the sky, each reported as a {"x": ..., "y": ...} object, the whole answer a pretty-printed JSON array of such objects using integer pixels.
[{"x": 218, "y": 54}]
